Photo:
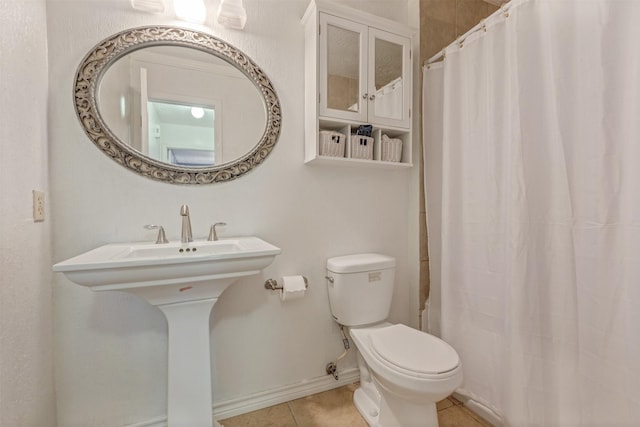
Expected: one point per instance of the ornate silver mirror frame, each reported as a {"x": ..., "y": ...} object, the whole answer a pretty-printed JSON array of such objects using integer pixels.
[{"x": 99, "y": 59}]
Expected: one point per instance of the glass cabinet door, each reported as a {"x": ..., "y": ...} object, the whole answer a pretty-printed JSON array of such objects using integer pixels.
[
  {"x": 343, "y": 78},
  {"x": 389, "y": 88}
]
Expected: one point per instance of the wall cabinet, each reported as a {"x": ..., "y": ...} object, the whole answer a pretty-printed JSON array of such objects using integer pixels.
[{"x": 358, "y": 72}]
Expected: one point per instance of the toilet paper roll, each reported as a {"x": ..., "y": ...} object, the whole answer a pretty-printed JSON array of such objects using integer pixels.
[{"x": 293, "y": 287}]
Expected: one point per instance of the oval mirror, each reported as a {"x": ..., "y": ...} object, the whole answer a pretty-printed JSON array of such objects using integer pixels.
[{"x": 177, "y": 105}]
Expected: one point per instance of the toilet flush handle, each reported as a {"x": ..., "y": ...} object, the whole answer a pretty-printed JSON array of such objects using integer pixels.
[{"x": 329, "y": 279}]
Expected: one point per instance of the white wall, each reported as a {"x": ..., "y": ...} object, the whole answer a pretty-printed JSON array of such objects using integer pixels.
[
  {"x": 26, "y": 374},
  {"x": 110, "y": 348}
]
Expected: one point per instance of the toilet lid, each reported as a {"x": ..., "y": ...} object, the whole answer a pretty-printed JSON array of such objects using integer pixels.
[{"x": 412, "y": 350}]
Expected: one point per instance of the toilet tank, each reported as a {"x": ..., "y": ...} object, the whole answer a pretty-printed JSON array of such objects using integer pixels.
[{"x": 360, "y": 288}]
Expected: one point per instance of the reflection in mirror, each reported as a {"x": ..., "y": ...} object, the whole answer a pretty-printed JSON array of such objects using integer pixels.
[
  {"x": 343, "y": 65},
  {"x": 181, "y": 134},
  {"x": 388, "y": 79},
  {"x": 146, "y": 98},
  {"x": 138, "y": 92}
]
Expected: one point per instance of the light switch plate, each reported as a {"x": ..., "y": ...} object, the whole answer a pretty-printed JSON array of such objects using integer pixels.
[{"x": 38, "y": 206}]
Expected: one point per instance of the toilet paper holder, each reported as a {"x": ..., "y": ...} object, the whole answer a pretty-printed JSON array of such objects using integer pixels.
[{"x": 272, "y": 284}]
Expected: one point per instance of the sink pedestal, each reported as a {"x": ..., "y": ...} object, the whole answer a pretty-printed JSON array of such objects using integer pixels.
[
  {"x": 184, "y": 280},
  {"x": 189, "y": 400}
]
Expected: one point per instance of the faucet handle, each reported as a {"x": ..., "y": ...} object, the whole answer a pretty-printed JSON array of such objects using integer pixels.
[
  {"x": 161, "y": 236},
  {"x": 213, "y": 235}
]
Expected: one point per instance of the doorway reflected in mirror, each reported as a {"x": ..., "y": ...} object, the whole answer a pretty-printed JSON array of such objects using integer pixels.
[{"x": 182, "y": 134}]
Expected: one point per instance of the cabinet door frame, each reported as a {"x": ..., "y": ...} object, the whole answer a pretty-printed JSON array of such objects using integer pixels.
[
  {"x": 361, "y": 29},
  {"x": 405, "y": 120}
]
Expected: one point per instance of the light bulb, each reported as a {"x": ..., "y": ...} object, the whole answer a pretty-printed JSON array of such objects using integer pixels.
[{"x": 197, "y": 112}]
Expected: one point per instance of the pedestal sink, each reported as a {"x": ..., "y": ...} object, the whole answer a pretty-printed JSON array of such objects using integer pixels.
[{"x": 184, "y": 280}]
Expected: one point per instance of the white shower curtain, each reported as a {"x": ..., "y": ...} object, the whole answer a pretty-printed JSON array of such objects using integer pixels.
[{"x": 532, "y": 168}]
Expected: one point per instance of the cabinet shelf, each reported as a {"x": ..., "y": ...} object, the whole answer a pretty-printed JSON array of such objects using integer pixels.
[
  {"x": 343, "y": 161},
  {"x": 348, "y": 129}
]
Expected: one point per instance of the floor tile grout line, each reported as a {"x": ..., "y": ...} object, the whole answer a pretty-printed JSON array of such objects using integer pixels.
[{"x": 293, "y": 414}]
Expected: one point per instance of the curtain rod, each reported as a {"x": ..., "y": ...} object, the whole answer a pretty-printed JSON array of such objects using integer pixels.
[{"x": 481, "y": 26}]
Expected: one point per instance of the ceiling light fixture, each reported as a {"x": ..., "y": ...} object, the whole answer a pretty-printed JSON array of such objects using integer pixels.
[
  {"x": 232, "y": 14},
  {"x": 151, "y": 6}
]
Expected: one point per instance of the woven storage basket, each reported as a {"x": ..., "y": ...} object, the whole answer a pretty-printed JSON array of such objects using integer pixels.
[
  {"x": 332, "y": 143},
  {"x": 361, "y": 147},
  {"x": 391, "y": 149}
]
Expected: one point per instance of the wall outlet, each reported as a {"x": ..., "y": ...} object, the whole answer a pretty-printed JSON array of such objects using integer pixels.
[{"x": 38, "y": 206}]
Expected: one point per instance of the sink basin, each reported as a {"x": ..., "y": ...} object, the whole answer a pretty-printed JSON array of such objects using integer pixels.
[
  {"x": 159, "y": 273},
  {"x": 223, "y": 248},
  {"x": 184, "y": 280}
]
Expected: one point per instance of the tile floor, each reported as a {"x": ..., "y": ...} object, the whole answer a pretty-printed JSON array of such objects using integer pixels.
[{"x": 334, "y": 408}]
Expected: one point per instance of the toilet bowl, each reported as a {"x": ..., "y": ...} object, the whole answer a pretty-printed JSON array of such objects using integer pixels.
[
  {"x": 411, "y": 370},
  {"x": 403, "y": 371}
]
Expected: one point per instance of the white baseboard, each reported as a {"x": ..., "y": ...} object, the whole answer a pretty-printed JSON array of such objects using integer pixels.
[{"x": 242, "y": 405}]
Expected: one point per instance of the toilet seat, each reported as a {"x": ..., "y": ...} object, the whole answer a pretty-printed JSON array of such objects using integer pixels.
[{"x": 412, "y": 351}]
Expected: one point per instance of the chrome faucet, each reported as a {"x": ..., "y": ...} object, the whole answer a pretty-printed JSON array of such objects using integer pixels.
[
  {"x": 213, "y": 234},
  {"x": 186, "y": 225},
  {"x": 162, "y": 238}
]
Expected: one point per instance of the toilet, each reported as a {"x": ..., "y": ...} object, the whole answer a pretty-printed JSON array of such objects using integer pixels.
[{"x": 403, "y": 371}]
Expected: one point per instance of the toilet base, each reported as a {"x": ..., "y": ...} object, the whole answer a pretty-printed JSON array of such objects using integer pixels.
[
  {"x": 367, "y": 407},
  {"x": 398, "y": 412},
  {"x": 394, "y": 413}
]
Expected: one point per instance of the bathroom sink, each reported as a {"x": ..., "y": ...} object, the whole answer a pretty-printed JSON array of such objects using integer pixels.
[
  {"x": 159, "y": 272},
  {"x": 184, "y": 280}
]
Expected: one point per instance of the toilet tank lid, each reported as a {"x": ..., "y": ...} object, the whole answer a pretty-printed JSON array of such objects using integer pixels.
[{"x": 360, "y": 262}]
